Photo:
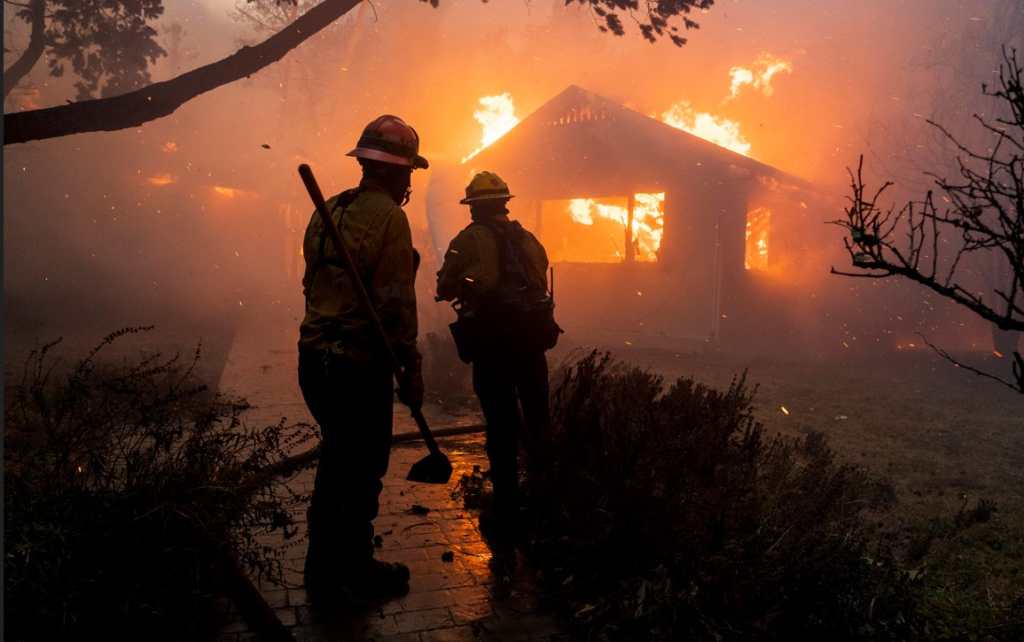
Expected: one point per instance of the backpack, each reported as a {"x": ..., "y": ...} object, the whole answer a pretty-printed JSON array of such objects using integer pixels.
[{"x": 515, "y": 317}]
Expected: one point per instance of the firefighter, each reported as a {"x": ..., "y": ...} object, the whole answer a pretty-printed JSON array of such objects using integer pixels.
[
  {"x": 345, "y": 377},
  {"x": 496, "y": 274}
]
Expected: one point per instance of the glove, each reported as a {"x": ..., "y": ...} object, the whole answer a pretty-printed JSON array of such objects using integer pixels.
[{"x": 410, "y": 386}]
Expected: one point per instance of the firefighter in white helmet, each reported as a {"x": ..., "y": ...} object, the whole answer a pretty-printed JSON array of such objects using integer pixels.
[{"x": 345, "y": 380}]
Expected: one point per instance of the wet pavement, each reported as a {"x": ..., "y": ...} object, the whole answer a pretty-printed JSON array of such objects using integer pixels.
[{"x": 463, "y": 596}]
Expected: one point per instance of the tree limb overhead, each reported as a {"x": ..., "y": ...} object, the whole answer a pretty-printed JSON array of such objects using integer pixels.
[{"x": 163, "y": 98}]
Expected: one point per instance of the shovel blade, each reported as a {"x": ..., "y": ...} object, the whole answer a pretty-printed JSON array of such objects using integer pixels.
[{"x": 432, "y": 469}]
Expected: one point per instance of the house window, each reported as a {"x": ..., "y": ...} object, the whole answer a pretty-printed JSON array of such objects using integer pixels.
[
  {"x": 758, "y": 234},
  {"x": 604, "y": 230}
]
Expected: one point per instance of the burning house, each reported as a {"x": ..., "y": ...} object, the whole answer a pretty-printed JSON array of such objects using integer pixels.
[{"x": 656, "y": 235}]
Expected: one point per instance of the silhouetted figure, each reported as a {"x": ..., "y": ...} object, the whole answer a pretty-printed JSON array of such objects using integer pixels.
[
  {"x": 496, "y": 273},
  {"x": 345, "y": 376}
]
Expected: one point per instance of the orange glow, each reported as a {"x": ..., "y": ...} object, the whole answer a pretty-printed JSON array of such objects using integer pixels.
[
  {"x": 759, "y": 75},
  {"x": 497, "y": 116},
  {"x": 170, "y": 147},
  {"x": 648, "y": 224},
  {"x": 716, "y": 129},
  {"x": 594, "y": 230},
  {"x": 227, "y": 192},
  {"x": 161, "y": 180},
  {"x": 757, "y": 234},
  {"x": 28, "y": 98}
]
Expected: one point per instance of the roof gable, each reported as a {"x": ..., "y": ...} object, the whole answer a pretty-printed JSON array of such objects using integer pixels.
[{"x": 597, "y": 145}]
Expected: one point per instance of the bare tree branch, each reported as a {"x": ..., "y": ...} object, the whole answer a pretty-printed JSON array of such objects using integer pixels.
[
  {"x": 982, "y": 211},
  {"x": 163, "y": 98},
  {"x": 1016, "y": 387}
]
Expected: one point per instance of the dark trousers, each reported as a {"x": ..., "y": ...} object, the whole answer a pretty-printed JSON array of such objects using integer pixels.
[
  {"x": 352, "y": 403},
  {"x": 503, "y": 383}
]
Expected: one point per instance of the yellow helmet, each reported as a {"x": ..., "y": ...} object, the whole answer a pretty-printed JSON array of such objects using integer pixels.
[{"x": 486, "y": 186}]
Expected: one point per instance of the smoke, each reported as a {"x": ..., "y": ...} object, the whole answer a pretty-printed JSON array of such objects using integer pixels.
[{"x": 197, "y": 218}]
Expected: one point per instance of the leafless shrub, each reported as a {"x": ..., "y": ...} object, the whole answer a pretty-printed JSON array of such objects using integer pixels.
[{"x": 118, "y": 477}]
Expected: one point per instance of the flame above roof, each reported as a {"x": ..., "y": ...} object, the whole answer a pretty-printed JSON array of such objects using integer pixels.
[{"x": 582, "y": 143}]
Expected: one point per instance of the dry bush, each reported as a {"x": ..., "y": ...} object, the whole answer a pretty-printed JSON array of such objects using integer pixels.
[
  {"x": 118, "y": 478},
  {"x": 667, "y": 513}
]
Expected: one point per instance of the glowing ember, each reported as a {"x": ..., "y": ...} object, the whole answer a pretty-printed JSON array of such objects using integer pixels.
[
  {"x": 998, "y": 354},
  {"x": 160, "y": 180},
  {"x": 497, "y": 116},
  {"x": 716, "y": 129},
  {"x": 228, "y": 192},
  {"x": 759, "y": 75},
  {"x": 648, "y": 220},
  {"x": 758, "y": 228}
]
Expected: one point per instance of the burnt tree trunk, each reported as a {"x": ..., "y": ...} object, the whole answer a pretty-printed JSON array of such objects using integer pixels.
[{"x": 163, "y": 98}]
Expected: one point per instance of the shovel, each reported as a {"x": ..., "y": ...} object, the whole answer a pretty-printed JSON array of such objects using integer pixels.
[{"x": 435, "y": 467}]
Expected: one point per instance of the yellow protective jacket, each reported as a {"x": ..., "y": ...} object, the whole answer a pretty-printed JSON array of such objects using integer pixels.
[
  {"x": 471, "y": 267},
  {"x": 376, "y": 232}
]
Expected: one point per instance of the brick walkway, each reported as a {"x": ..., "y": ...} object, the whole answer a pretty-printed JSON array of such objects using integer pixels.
[
  {"x": 461, "y": 599},
  {"x": 458, "y": 600}
]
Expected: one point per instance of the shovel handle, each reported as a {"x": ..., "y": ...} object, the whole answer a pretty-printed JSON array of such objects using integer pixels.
[
  {"x": 364, "y": 297},
  {"x": 349, "y": 266},
  {"x": 428, "y": 437}
]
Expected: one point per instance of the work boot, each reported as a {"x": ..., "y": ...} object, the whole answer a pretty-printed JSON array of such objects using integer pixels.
[
  {"x": 495, "y": 526},
  {"x": 387, "y": 577},
  {"x": 377, "y": 580},
  {"x": 499, "y": 519}
]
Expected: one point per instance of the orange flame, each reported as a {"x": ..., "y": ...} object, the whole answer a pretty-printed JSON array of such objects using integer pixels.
[
  {"x": 759, "y": 75},
  {"x": 648, "y": 219},
  {"x": 161, "y": 180},
  {"x": 227, "y": 192},
  {"x": 716, "y": 129},
  {"x": 758, "y": 227},
  {"x": 497, "y": 116}
]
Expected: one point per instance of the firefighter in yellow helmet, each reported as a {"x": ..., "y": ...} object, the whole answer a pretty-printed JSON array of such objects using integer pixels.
[
  {"x": 346, "y": 381},
  {"x": 495, "y": 272}
]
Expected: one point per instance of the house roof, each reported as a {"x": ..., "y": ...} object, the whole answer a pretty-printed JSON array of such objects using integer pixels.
[{"x": 582, "y": 144}]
